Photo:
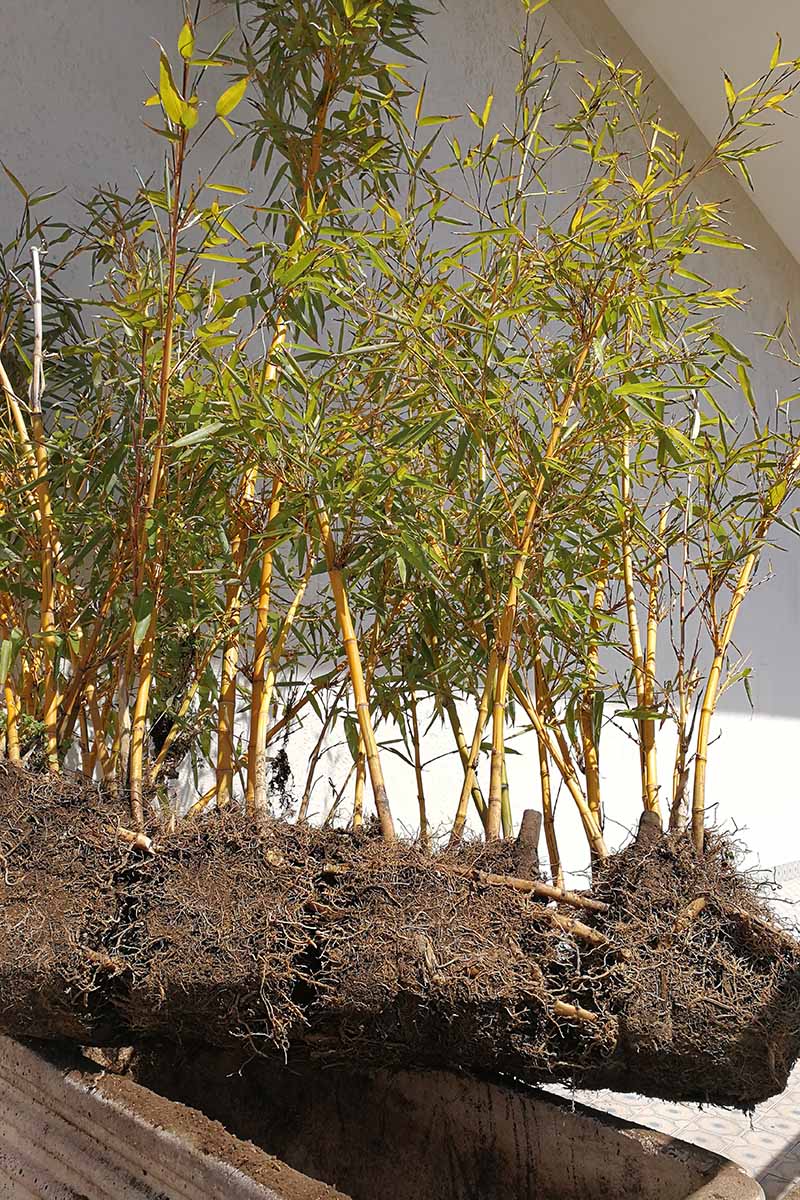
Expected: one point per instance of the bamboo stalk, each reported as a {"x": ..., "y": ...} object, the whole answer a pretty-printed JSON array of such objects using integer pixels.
[
  {"x": 591, "y": 751},
  {"x": 139, "y": 724},
  {"x": 500, "y": 658},
  {"x": 361, "y": 780},
  {"x": 710, "y": 701},
  {"x": 256, "y": 794},
  {"x": 12, "y": 721},
  {"x": 157, "y": 472},
  {"x": 226, "y": 712},
  {"x": 634, "y": 634},
  {"x": 566, "y": 770},
  {"x": 505, "y": 803},
  {"x": 722, "y": 642},
  {"x": 548, "y": 816},
  {"x": 353, "y": 656},
  {"x": 474, "y": 753},
  {"x": 648, "y": 724},
  {"x": 47, "y": 595},
  {"x": 423, "y": 816},
  {"x": 463, "y": 752}
]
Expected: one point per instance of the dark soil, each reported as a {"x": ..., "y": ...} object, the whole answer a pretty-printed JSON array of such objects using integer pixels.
[{"x": 327, "y": 948}]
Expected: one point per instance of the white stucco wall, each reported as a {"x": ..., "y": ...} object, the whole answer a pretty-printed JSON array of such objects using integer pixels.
[{"x": 70, "y": 92}]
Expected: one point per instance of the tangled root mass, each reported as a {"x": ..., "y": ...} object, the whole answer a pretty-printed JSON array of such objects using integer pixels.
[{"x": 330, "y": 947}]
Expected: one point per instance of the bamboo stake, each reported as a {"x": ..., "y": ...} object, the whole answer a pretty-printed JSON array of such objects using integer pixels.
[{"x": 356, "y": 677}]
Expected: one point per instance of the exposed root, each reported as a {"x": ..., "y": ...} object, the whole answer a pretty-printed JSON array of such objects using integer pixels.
[{"x": 332, "y": 947}]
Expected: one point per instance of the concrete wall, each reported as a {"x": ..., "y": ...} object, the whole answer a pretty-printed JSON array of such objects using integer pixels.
[
  {"x": 70, "y": 91},
  {"x": 440, "y": 1136},
  {"x": 70, "y": 1133}
]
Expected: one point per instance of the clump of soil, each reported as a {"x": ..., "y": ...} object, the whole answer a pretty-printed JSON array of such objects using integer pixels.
[{"x": 327, "y": 947}]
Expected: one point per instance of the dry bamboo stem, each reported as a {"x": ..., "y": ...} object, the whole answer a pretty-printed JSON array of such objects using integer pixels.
[
  {"x": 353, "y": 656},
  {"x": 535, "y": 886},
  {"x": 577, "y": 928}
]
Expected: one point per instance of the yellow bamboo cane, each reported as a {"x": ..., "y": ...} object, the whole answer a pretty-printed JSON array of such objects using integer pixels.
[{"x": 350, "y": 644}]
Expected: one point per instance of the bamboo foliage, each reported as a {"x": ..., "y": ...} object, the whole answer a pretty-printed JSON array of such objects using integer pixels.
[{"x": 425, "y": 417}]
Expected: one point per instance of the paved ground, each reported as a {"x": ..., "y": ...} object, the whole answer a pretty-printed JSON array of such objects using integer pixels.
[{"x": 768, "y": 1145}]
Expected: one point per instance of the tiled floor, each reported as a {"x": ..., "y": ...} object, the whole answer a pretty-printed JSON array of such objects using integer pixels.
[{"x": 767, "y": 1145}]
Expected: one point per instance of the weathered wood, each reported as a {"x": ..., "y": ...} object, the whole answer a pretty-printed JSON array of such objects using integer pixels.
[{"x": 527, "y": 848}]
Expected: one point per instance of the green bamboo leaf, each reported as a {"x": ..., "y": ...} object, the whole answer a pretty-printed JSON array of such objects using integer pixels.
[
  {"x": 198, "y": 435},
  {"x": 15, "y": 181},
  {"x": 6, "y": 659},
  {"x": 143, "y": 615}
]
